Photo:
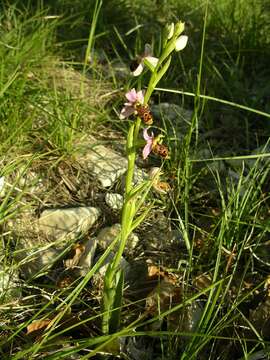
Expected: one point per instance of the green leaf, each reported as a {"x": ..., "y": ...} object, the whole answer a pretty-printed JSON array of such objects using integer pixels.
[{"x": 118, "y": 295}]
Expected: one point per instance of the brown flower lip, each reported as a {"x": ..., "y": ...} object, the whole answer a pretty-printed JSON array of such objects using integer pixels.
[
  {"x": 144, "y": 113},
  {"x": 162, "y": 150}
]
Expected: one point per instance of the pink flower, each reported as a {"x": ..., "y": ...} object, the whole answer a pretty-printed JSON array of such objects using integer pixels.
[
  {"x": 134, "y": 98},
  {"x": 149, "y": 143}
]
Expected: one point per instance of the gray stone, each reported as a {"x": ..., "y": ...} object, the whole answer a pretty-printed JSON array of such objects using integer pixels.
[
  {"x": 140, "y": 175},
  {"x": 103, "y": 163},
  {"x": 114, "y": 201},
  {"x": 99, "y": 275},
  {"x": 44, "y": 241},
  {"x": 71, "y": 222},
  {"x": 86, "y": 260},
  {"x": 108, "y": 234},
  {"x": 36, "y": 260}
]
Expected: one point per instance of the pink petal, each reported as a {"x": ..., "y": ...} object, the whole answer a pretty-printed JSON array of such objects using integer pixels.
[
  {"x": 146, "y": 150},
  {"x": 146, "y": 136},
  {"x": 131, "y": 96}
]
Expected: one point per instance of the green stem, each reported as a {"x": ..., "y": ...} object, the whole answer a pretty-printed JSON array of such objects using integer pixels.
[
  {"x": 131, "y": 155},
  {"x": 136, "y": 132},
  {"x": 128, "y": 211}
]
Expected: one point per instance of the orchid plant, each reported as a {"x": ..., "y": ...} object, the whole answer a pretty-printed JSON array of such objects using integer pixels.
[{"x": 137, "y": 107}]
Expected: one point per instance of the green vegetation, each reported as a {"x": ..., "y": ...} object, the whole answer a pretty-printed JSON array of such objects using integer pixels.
[{"x": 63, "y": 75}]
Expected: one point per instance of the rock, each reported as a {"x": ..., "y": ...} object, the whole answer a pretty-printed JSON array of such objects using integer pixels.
[
  {"x": 158, "y": 236},
  {"x": 42, "y": 242},
  {"x": 37, "y": 260},
  {"x": 9, "y": 289},
  {"x": 137, "y": 348},
  {"x": 103, "y": 163},
  {"x": 86, "y": 260},
  {"x": 187, "y": 319},
  {"x": 108, "y": 234},
  {"x": 71, "y": 222},
  {"x": 99, "y": 275},
  {"x": 114, "y": 201},
  {"x": 140, "y": 175}
]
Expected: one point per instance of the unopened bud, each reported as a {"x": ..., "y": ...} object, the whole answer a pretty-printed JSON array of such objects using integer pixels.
[
  {"x": 170, "y": 30},
  {"x": 179, "y": 28}
]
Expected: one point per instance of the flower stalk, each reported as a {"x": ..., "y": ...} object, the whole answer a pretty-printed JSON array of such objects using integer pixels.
[{"x": 134, "y": 196}]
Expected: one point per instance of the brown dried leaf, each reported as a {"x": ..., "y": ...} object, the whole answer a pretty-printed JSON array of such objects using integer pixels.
[
  {"x": 37, "y": 325},
  {"x": 154, "y": 271},
  {"x": 157, "y": 273},
  {"x": 162, "y": 187},
  {"x": 79, "y": 250}
]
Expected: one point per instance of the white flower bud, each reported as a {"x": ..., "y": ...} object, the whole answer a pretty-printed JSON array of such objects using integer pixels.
[
  {"x": 181, "y": 42},
  {"x": 170, "y": 31}
]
